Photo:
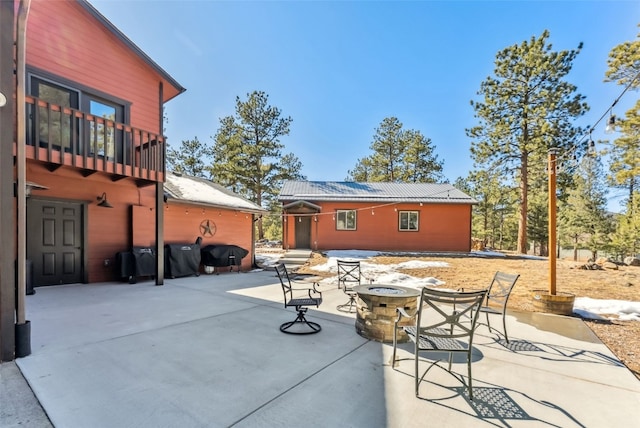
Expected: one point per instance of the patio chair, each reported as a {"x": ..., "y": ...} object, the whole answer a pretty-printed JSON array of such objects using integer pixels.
[
  {"x": 349, "y": 276},
  {"x": 445, "y": 329},
  {"x": 497, "y": 298},
  {"x": 300, "y": 298}
]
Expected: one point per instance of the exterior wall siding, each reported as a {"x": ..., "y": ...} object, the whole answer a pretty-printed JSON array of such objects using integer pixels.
[
  {"x": 64, "y": 40},
  {"x": 67, "y": 41},
  {"x": 442, "y": 227},
  {"x": 107, "y": 228},
  {"x": 182, "y": 225},
  {"x": 131, "y": 221}
]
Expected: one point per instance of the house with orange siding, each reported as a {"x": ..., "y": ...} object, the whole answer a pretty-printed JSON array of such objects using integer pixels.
[
  {"x": 82, "y": 158},
  {"x": 81, "y": 144},
  {"x": 412, "y": 217}
]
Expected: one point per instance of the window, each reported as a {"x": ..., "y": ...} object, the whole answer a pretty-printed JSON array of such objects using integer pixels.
[
  {"x": 54, "y": 126},
  {"x": 408, "y": 220},
  {"x": 62, "y": 131},
  {"x": 104, "y": 137},
  {"x": 346, "y": 219}
]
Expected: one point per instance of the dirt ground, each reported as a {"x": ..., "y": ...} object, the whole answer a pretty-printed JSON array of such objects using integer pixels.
[{"x": 622, "y": 337}]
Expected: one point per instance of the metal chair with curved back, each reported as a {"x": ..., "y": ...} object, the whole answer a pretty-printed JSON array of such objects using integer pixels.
[
  {"x": 441, "y": 326},
  {"x": 498, "y": 296},
  {"x": 300, "y": 298},
  {"x": 349, "y": 276}
]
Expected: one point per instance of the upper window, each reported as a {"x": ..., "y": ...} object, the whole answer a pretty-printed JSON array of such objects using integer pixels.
[
  {"x": 54, "y": 127},
  {"x": 346, "y": 219},
  {"x": 104, "y": 136},
  {"x": 408, "y": 220}
]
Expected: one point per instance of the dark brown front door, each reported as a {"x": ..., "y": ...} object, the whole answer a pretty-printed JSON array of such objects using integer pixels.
[
  {"x": 303, "y": 232},
  {"x": 54, "y": 241}
]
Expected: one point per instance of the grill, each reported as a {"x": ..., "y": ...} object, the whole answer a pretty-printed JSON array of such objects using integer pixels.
[
  {"x": 182, "y": 260},
  {"x": 140, "y": 261},
  {"x": 218, "y": 256}
]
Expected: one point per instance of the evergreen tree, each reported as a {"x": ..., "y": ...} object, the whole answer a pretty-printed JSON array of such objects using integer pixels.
[
  {"x": 625, "y": 156},
  {"x": 624, "y": 64},
  {"x": 399, "y": 155},
  {"x": 625, "y": 241},
  {"x": 583, "y": 219},
  {"x": 493, "y": 217},
  {"x": 420, "y": 163},
  {"x": 247, "y": 154},
  {"x": 190, "y": 159},
  {"x": 527, "y": 109}
]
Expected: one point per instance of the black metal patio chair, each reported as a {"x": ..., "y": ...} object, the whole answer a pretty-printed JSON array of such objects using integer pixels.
[
  {"x": 442, "y": 326},
  {"x": 301, "y": 298},
  {"x": 349, "y": 276}
]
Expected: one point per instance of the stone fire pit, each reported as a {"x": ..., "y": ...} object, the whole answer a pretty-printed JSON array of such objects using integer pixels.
[{"x": 376, "y": 310}]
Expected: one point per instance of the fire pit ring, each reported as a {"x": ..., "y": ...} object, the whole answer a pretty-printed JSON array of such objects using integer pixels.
[{"x": 376, "y": 310}]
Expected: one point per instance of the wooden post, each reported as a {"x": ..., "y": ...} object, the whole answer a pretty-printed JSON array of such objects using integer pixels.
[
  {"x": 552, "y": 221},
  {"x": 7, "y": 195}
]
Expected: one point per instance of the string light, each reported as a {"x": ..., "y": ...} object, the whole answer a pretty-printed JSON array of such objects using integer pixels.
[
  {"x": 610, "y": 127},
  {"x": 611, "y": 124}
]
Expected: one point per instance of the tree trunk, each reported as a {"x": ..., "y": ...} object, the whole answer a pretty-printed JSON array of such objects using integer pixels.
[
  {"x": 260, "y": 229},
  {"x": 522, "y": 221}
]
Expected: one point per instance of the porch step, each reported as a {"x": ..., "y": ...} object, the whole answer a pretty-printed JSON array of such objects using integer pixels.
[{"x": 293, "y": 259}]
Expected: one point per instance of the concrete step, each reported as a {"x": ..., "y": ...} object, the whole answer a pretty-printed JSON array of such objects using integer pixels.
[{"x": 293, "y": 259}]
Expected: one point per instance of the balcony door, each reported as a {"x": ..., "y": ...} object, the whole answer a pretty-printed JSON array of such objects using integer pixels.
[{"x": 104, "y": 138}]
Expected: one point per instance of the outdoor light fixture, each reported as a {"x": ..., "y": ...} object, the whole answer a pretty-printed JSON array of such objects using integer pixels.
[
  {"x": 611, "y": 125},
  {"x": 3, "y": 100},
  {"x": 592, "y": 145},
  {"x": 102, "y": 201}
]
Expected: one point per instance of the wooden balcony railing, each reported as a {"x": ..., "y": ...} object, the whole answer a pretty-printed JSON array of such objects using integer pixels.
[{"x": 65, "y": 136}]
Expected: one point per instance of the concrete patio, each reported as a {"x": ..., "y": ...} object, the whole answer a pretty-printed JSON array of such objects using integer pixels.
[{"x": 207, "y": 352}]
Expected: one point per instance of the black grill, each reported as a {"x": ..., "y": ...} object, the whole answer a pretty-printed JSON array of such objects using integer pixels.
[{"x": 182, "y": 260}]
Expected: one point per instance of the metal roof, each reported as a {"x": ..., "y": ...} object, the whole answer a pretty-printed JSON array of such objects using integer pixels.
[
  {"x": 184, "y": 188},
  {"x": 373, "y": 192}
]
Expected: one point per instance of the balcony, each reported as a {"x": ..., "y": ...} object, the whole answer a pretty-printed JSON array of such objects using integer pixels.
[{"x": 62, "y": 136}]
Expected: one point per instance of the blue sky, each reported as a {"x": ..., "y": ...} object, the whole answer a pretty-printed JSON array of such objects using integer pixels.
[{"x": 338, "y": 68}]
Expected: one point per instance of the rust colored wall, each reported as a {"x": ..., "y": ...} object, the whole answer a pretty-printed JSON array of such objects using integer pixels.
[
  {"x": 67, "y": 41},
  {"x": 107, "y": 228},
  {"x": 442, "y": 227},
  {"x": 131, "y": 221},
  {"x": 182, "y": 225}
]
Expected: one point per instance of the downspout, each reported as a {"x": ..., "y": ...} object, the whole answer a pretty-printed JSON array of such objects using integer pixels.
[{"x": 23, "y": 328}]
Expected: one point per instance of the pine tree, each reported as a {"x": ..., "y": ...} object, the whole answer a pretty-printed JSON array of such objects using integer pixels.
[
  {"x": 625, "y": 156},
  {"x": 624, "y": 64},
  {"x": 493, "y": 217},
  {"x": 399, "y": 155},
  {"x": 247, "y": 154},
  {"x": 191, "y": 158},
  {"x": 583, "y": 221},
  {"x": 527, "y": 109}
]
